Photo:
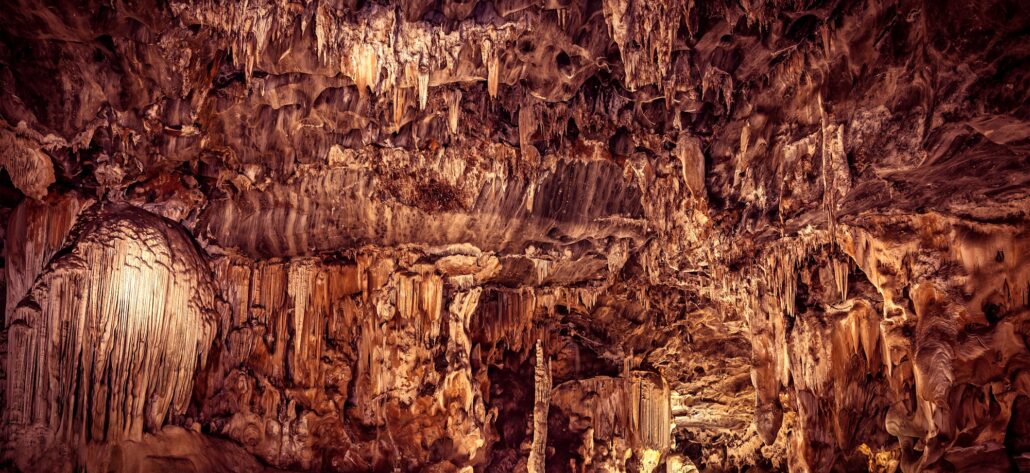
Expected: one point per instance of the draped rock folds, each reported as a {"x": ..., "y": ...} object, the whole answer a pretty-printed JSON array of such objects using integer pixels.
[
  {"x": 106, "y": 343},
  {"x": 515, "y": 235},
  {"x": 913, "y": 355}
]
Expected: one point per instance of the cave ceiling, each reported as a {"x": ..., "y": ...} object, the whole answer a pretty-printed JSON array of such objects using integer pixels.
[{"x": 514, "y": 235}]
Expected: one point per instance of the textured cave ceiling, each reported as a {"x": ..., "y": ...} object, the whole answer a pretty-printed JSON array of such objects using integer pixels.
[{"x": 515, "y": 235}]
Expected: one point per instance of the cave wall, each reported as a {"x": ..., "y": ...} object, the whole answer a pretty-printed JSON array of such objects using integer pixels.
[{"x": 508, "y": 235}]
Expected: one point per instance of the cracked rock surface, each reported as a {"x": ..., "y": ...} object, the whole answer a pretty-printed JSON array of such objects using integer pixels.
[{"x": 514, "y": 235}]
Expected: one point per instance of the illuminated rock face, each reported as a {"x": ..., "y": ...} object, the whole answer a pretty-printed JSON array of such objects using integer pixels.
[
  {"x": 620, "y": 235},
  {"x": 108, "y": 339}
]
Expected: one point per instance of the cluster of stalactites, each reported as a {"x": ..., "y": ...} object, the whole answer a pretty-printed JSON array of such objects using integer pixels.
[
  {"x": 783, "y": 263},
  {"x": 420, "y": 301},
  {"x": 636, "y": 407},
  {"x": 410, "y": 302},
  {"x": 782, "y": 267},
  {"x": 648, "y": 396},
  {"x": 508, "y": 317},
  {"x": 645, "y": 32},
  {"x": 375, "y": 47}
]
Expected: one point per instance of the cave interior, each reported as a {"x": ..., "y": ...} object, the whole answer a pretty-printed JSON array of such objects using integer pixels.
[{"x": 515, "y": 236}]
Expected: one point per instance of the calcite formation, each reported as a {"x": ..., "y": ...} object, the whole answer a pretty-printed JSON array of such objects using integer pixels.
[{"x": 510, "y": 235}]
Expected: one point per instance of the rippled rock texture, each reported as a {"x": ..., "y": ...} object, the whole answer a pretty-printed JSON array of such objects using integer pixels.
[{"x": 507, "y": 235}]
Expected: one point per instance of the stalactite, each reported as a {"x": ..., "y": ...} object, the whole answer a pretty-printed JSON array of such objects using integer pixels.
[
  {"x": 420, "y": 302},
  {"x": 840, "y": 268},
  {"x": 634, "y": 409},
  {"x": 492, "y": 62},
  {"x": 453, "y": 110},
  {"x": 508, "y": 316},
  {"x": 423, "y": 88},
  {"x": 365, "y": 67},
  {"x": 399, "y": 107},
  {"x": 527, "y": 122},
  {"x": 644, "y": 32},
  {"x": 269, "y": 306},
  {"x": 371, "y": 367},
  {"x": 692, "y": 164}
]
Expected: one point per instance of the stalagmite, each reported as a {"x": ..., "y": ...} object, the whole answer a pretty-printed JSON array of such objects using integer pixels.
[
  {"x": 107, "y": 342},
  {"x": 541, "y": 403}
]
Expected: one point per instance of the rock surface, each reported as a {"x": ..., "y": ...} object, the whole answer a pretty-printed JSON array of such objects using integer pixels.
[{"x": 505, "y": 235}]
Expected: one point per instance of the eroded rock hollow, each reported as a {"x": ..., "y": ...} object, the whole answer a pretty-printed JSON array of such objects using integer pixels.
[{"x": 515, "y": 235}]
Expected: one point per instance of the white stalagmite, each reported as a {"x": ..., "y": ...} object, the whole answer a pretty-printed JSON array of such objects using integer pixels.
[
  {"x": 541, "y": 404},
  {"x": 106, "y": 343}
]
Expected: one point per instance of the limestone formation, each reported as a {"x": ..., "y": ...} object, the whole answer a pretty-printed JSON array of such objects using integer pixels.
[{"x": 513, "y": 235}]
